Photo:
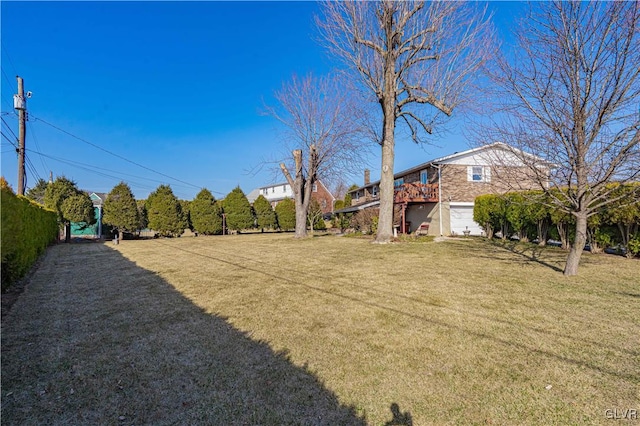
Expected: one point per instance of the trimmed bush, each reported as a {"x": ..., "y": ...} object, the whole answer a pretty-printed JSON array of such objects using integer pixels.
[
  {"x": 286, "y": 214},
  {"x": 206, "y": 214},
  {"x": 120, "y": 210},
  {"x": 27, "y": 229},
  {"x": 238, "y": 211},
  {"x": 165, "y": 213},
  {"x": 264, "y": 213}
]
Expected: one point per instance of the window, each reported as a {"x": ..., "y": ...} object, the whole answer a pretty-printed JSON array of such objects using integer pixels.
[
  {"x": 424, "y": 177},
  {"x": 357, "y": 195},
  {"x": 398, "y": 182},
  {"x": 315, "y": 187},
  {"x": 478, "y": 174},
  {"x": 374, "y": 191},
  {"x": 273, "y": 190},
  {"x": 324, "y": 204},
  {"x": 284, "y": 188}
]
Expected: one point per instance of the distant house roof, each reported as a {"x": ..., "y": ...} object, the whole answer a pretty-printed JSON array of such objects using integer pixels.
[
  {"x": 357, "y": 207},
  {"x": 253, "y": 195},
  {"x": 274, "y": 184},
  {"x": 98, "y": 198}
]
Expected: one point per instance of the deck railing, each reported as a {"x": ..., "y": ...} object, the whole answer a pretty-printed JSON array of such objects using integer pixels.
[{"x": 416, "y": 193}]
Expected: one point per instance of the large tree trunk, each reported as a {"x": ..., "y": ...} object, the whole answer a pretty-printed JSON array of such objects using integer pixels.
[
  {"x": 301, "y": 221},
  {"x": 573, "y": 260},
  {"x": 67, "y": 232},
  {"x": 388, "y": 104},
  {"x": 120, "y": 235},
  {"x": 385, "y": 221},
  {"x": 302, "y": 187}
]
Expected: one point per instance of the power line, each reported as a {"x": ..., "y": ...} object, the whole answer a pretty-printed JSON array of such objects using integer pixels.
[
  {"x": 11, "y": 83},
  {"x": 92, "y": 167},
  {"x": 9, "y": 103},
  {"x": 30, "y": 166},
  {"x": 6, "y": 52},
  {"x": 35, "y": 139},
  {"x": 10, "y": 141},
  {"x": 114, "y": 154},
  {"x": 9, "y": 127}
]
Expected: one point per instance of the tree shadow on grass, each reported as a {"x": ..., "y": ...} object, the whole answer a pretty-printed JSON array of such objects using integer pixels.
[
  {"x": 96, "y": 339},
  {"x": 529, "y": 252},
  {"x": 399, "y": 418}
]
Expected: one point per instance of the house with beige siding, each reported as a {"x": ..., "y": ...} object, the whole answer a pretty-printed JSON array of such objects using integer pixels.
[{"x": 437, "y": 196}]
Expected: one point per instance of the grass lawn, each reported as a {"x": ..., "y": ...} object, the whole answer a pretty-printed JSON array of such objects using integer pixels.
[{"x": 264, "y": 329}]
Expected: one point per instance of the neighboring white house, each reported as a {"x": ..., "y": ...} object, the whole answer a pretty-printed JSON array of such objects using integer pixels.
[
  {"x": 279, "y": 191},
  {"x": 273, "y": 193}
]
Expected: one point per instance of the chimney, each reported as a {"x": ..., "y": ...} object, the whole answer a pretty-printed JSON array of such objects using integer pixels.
[{"x": 367, "y": 177}]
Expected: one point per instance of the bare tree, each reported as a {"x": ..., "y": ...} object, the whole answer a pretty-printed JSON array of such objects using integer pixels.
[
  {"x": 569, "y": 94},
  {"x": 322, "y": 128},
  {"x": 408, "y": 54}
]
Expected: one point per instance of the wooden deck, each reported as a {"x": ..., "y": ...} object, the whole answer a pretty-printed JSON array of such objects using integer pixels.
[{"x": 416, "y": 193}]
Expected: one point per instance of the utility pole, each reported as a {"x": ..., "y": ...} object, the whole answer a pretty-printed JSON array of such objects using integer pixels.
[{"x": 20, "y": 103}]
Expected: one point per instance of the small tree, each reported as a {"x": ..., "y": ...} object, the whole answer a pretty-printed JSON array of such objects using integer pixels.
[
  {"x": 286, "y": 214},
  {"x": 237, "y": 210},
  {"x": 37, "y": 192},
  {"x": 185, "y": 207},
  {"x": 120, "y": 210},
  {"x": 322, "y": 128},
  {"x": 516, "y": 215},
  {"x": 538, "y": 213},
  {"x": 164, "y": 212},
  {"x": 482, "y": 213},
  {"x": 625, "y": 212},
  {"x": 563, "y": 221},
  {"x": 206, "y": 214},
  {"x": 78, "y": 208},
  {"x": 347, "y": 196},
  {"x": 314, "y": 218},
  {"x": 142, "y": 214},
  {"x": 264, "y": 213}
]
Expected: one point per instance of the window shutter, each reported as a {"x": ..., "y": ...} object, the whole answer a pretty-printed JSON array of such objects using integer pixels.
[
  {"x": 487, "y": 174},
  {"x": 469, "y": 173}
]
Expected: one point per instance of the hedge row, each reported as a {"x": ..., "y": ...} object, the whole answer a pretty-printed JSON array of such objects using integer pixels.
[
  {"x": 27, "y": 229},
  {"x": 531, "y": 215}
]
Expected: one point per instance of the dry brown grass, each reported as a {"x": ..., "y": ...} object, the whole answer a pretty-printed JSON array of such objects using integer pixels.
[{"x": 264, "y": 329}]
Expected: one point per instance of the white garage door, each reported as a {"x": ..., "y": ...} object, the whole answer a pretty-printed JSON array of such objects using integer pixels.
[{"x": 461, "y": 219}]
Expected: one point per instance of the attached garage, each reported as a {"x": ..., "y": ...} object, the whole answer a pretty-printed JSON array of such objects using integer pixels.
[{"x": 462, "y": 219}]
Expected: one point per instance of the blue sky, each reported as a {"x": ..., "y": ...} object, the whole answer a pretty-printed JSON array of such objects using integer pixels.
[{"x": 177, "y": 87}]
